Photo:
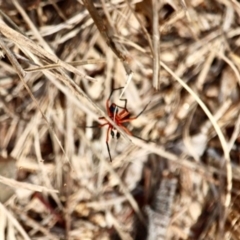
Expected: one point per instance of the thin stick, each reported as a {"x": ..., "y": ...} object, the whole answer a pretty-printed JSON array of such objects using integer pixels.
[
  {"x": 126, "y": 85},
  {"x": 107, "y": 33},
  {"x": 16, "y": 184},
  {"x": 75, "y": 63},
  {"x": 156, "y": 44},
  {"x": 107, "y": 139},
  {"x": 15, "y": 223}
]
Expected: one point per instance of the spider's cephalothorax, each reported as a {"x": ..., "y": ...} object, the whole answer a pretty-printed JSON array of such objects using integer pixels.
[{"x": 119, "y": 115}]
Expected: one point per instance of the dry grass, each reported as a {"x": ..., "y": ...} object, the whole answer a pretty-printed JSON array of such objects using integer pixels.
[{"x": 178, "y": 178}]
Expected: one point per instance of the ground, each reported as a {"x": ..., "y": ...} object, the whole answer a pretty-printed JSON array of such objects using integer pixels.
[{"x": 175, "y": 169}]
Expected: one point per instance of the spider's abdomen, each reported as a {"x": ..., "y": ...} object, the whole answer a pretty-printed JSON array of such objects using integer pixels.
[{"x": 113, "y": 109}]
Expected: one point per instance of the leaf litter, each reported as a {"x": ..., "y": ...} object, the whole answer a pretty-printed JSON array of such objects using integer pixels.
[{"x": 178, "y": 177}]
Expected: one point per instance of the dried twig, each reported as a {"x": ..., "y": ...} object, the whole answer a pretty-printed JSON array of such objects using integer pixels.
[
  {"x": 107, "y": 33},
  {"x": 156, "y": 44}
]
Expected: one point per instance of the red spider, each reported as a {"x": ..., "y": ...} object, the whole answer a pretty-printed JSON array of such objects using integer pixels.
[{"x": 119, "y": 117}]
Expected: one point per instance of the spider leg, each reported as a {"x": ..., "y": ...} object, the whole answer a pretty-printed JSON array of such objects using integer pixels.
[
  {"x": 94, "y": 126},
  {"x": 115, "y": 89},
  {"x": 125, "y": 130},
  {"x": 124, "y": 113},
  {"x": 125, "y": 103},
  {"x": 142, "y": 110},
  {"x": 133, "y": 118},
  {"x": 97, "y": 126},
  {"x": 107, "y": 138},
  {"x": 124, "y": 108},
  {"x": 109, "y": 151}
]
